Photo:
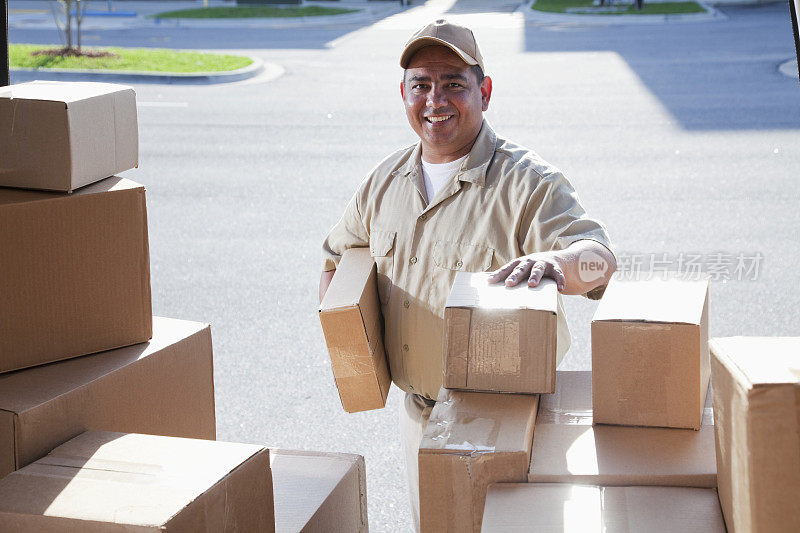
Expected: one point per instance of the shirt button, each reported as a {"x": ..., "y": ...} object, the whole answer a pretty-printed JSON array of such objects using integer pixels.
[
  {"x": 406, "y": 304},
  {"x": 423, "y": 216},
  {"x": 413, "y": 259},
  {"x": 405, "y": 347},
  {"x": 459, "y": 264}
]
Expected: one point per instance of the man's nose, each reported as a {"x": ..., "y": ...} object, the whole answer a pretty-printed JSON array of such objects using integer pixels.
[{"x": 436, "y": 97}]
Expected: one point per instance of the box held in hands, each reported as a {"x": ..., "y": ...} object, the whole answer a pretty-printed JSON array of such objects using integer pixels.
[{"x": 351, "y": 319}]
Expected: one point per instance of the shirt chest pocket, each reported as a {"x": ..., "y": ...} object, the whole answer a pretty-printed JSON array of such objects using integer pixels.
[
  {"x": 381, "y": 246},
  {"x": 459, "y": 256}
]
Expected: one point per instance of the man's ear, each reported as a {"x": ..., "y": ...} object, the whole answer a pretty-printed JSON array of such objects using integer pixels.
[
  {"x": 402, "y": 90},
  {"x": 486, "y": 92}
]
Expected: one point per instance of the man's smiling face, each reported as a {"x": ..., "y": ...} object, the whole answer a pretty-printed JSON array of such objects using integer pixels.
[{"x": 444, "y": 103}]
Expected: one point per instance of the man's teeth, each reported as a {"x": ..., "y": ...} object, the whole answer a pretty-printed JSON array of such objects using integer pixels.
[{"x": 438, "y": 119}]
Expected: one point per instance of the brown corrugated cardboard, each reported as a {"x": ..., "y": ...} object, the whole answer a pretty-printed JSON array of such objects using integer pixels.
[
  {"x": 317, "y": 492},
  {"x": 498, "y": 338},
  {"x": 557, "y": 508},
  {"x": 756, "y": 384},
  {"x": 650, "y": 353},
  {"x": 162, "y": 387},
  {"x": 60, "y": 136},
  {"x": 567, "y": 448},
  {"x": 75, "y": 272},
  {"x": 352, "y": 323},
  {"x": 102, "y": 481},
  {"x": 472, "y": 439}
]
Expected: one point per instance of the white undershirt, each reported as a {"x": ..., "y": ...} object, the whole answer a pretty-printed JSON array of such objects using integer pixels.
[{"x": 436, "y": 175}]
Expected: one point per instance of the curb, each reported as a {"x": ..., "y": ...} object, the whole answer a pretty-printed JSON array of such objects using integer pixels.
[
  {"x": 176, "y": 78},
  {"x": 362, "y": 15},
  {"x": 789, "y": 68},
  {"x": 712, "y": 15}
]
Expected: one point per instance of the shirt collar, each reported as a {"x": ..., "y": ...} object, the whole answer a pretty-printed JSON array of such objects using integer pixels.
[{"x": 476, "y": 164}]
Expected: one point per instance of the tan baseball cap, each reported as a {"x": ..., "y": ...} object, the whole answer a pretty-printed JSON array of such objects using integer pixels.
[{"x": 457, "y": 38}]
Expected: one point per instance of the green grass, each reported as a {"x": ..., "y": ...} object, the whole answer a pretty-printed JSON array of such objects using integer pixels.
[
  {"x": 666, "y": 8},
  {"x": 252, "y": 12},
  {"x": 139, "y": 59}
]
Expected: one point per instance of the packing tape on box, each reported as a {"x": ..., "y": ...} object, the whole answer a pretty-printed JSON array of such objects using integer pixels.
[{"x": 569, "y": 417}]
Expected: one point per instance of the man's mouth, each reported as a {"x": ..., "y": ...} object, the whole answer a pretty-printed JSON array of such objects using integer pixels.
[{"x": 436, "y": 119}]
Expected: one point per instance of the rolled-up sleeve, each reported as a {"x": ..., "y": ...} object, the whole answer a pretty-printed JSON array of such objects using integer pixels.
[
  {"x": 348, "y": 232},
  {"x": 554, "y": 218}
]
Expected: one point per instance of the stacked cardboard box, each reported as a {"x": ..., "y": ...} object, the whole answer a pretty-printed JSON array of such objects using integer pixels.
[
  {"x": 756, "y": 382},
  {"x": 500, "y": 339},
  {"x": 80, "y": 350},
  {"x": 472, "y": 439},
  {"x": 560, "y": 508},
  {"x": 650, "y": 369},
  {"x": 568, "y": 448},
  {"x": 103, "y": 481}
]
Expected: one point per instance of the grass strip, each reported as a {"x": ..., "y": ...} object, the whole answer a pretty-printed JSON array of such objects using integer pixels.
[
  {"x": 134, "y": 59},
  {"x": 662, "y": 8},
  {"x": 242, "y": 12}
]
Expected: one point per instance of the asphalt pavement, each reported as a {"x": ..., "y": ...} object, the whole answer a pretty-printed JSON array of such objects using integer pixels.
[{"x": 683, "y": 137}]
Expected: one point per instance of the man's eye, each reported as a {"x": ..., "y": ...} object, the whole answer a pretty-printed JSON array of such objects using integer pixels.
[{"x": 418, "y": 86}]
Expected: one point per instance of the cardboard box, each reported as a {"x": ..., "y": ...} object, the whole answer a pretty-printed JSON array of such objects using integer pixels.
[
  {"x": 75, "y": 272},
  {"x": 103, "y": 481},
  {"x": 756, "y": 384},
  {"x": 500, "y": 339},
  {"x": 352, "y": 323},
  {"x": 567, "y": 448},
  {"x": 650, "y": 353},
  {"x": 319, "y": 492},
  {"x": 472, "y": 439},
  {"x": 60, "y": 136},
  {"x": 162, "y": 387},
  {"x": 557, "y": 508}
]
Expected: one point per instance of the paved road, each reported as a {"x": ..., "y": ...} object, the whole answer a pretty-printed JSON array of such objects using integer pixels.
[{"x": 682, "y": 137}]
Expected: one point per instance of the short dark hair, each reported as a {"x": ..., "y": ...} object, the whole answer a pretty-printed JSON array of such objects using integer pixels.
[{"x": 475, "y": 69}]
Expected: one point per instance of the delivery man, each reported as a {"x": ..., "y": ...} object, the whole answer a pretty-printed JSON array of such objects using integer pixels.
[{"x": 460, "y": 199}]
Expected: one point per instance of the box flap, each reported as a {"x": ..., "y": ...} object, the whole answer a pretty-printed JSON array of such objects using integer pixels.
[
  {"x": 349, "y": 282},
  {"x": 60, "y": 91},
  {"x": 474, "y": 422},
  {"x": 318, "y": 491},
  {"x": 472, "y": 289},
  {"x": 578, "y": 508},
  {"x": 113, "y": 183},
  {"x": 673, "y": 300},
  {"x": 121, "y": 478},
  {"x": 25, "y": 389},
  {"x": 761, "y": 360}
]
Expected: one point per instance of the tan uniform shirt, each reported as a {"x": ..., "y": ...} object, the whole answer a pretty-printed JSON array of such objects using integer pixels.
[{"x": 503, "y": 203}]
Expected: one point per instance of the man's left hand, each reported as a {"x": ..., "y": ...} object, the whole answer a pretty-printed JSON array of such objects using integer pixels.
[
  {"x": 562, "y": 266},
  {"x": 532, "y": 268}
]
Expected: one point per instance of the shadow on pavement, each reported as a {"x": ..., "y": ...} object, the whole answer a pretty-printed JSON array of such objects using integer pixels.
[{"x": 707, "y": 76}]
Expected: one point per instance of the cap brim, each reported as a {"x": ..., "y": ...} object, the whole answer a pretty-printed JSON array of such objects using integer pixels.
[{"x": 421, "y": 42}]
